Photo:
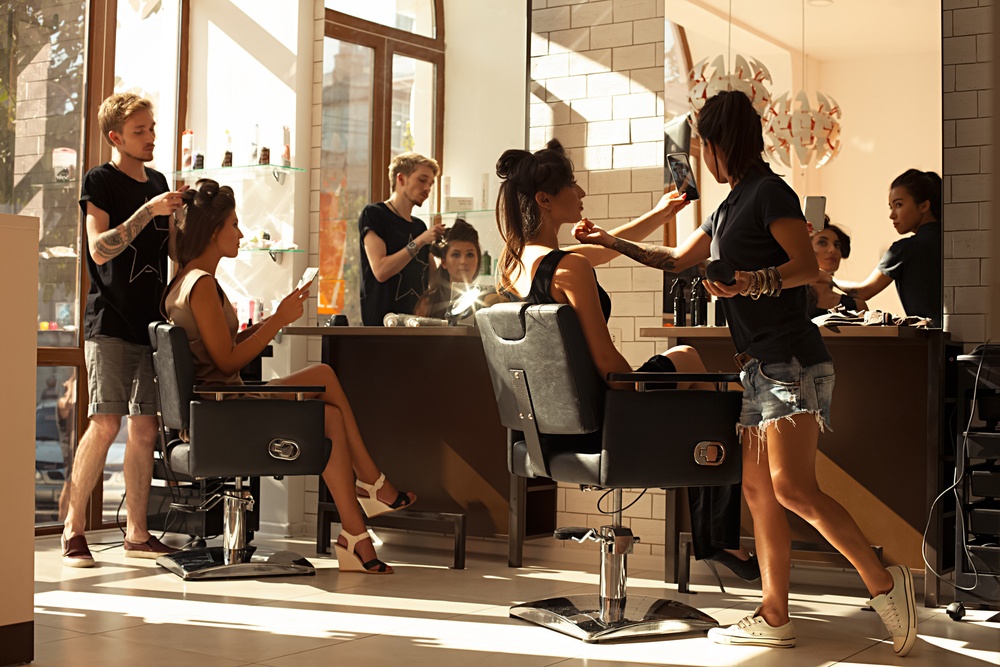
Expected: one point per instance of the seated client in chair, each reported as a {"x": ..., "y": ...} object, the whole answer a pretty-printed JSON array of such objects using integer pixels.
[
  {"x": 207, "y": 231},
  {"x": 538, "y": 195}
]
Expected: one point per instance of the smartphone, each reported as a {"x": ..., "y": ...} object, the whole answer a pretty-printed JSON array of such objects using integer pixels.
[
  {"x": 683, "y": 176},
  {"x": 815, "y": 210},
  {"x": 308, "y": 276}
]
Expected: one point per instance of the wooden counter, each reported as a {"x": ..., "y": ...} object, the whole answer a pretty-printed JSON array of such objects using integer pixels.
[
  {"x": 425, "y": 406},
  {"x": 886, "y": 458}
]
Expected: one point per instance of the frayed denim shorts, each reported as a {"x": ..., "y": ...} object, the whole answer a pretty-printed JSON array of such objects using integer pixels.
[{"x": 778, "y": 390}]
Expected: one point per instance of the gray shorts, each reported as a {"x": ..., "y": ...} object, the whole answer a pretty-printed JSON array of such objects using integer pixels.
[
  {"x": 778, "y": 390},
  {"x": 119, "y": 377}
]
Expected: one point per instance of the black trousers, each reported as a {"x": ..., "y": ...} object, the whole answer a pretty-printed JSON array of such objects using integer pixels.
[{"x": 715, "y": 519}]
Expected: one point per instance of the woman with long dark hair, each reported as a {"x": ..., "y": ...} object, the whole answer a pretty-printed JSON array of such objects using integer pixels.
[
  {"x": 831, "y": 245},
  {"x": 786, "y": 371},
  {"x": 207, "y": 231},
  {"x": 914, "y": 263},
  {"x": 538, "y": 196}
]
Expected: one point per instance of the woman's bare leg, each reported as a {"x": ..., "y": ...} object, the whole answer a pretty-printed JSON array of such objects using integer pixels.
[
  {"x": 770, "y": 527},
  {"x": 339, "y": 478},
  {"x": 687, "y": 360},
  {"x": 360, "y": 460},
  {"x": 792, "y": 450}
]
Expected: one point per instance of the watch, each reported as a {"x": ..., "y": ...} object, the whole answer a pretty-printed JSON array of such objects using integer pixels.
[{"x": 411, "y": 247}]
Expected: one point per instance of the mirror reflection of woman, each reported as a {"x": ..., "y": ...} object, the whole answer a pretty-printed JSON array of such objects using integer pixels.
[
  {"x": 914, "y": 263},
  {"x": 832, "y": 245},
  {"x": 460, "y": 259}
]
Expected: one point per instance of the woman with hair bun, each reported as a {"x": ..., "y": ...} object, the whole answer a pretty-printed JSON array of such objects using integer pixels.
[
  {"x": 914, "y": 263},
  {"x": 460, "y": 259},
  {"x": 539, "y": 195},
  {"x": 832, "y": 245},
  {"x": 207, "y": 231}
]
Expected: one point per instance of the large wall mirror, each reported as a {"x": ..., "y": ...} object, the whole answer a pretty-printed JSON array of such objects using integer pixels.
[{"x": 879, "y": 59}]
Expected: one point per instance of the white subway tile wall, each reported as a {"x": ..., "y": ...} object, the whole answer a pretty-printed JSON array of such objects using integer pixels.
[{"x": 967, "y": 28}]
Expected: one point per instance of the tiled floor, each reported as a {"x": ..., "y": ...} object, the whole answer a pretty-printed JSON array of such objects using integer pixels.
[{"x": 135, "y": 614}]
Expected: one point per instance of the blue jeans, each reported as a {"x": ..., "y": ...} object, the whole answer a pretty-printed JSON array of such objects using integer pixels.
[{"x": 778, "y": 390}]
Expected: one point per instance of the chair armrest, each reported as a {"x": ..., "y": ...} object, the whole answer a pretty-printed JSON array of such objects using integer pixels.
[
  {"x": 673, "y": 377},
  {"x": 257, "y": 388}
]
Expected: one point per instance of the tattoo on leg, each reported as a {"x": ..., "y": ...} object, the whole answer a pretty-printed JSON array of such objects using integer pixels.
[{"x": 655, "y": 256}]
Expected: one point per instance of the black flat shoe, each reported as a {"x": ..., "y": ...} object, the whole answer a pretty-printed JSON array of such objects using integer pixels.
[{"x": 747, "y": 570}]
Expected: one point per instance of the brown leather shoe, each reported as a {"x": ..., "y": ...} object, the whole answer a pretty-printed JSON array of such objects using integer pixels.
[
  {"x": 75, "y": 552},
  {"x": 151, "y": 548}
]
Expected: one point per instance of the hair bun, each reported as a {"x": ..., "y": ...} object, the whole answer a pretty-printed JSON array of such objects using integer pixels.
[{"x": 511, "y": 161}]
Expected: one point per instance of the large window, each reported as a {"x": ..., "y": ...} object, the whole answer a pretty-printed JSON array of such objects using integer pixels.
[
  {"x": 48, "y": 139},
  {"x": 383, "y": 92}
]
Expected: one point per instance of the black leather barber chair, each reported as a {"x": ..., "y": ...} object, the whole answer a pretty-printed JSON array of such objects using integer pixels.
[
  {"x": 211, "y": 432},
  {"x": 566, "y": 425}
]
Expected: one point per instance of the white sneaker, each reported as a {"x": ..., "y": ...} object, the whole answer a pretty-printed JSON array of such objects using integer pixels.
[
  {"x": 754, "y": 631},
  {"x": 898, "y": 609}
]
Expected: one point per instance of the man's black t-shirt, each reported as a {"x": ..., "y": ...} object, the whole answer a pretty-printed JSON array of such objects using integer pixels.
[
  {"x": 400, "y": 293},
  {"x": 771, "y": 328},
  {"x": 125, "y": 292},
  {"x": 915, "y": 264}
]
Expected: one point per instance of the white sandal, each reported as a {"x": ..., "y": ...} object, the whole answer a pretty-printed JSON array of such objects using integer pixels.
[
  {"x": 372, "y": 506},
  {"x": 349, "y": 560}
]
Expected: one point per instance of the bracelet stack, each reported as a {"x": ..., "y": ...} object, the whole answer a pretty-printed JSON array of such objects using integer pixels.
[{"x": 763, "y": 282}]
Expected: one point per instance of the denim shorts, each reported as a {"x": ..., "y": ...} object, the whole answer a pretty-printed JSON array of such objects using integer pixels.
[
  {"x": 778, "y": 390},
  {"x": 119, "y": 377}
]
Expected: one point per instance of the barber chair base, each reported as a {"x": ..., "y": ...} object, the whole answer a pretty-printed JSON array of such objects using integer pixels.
[
  {"x": 210, "y": 563},
  {"x": 579, "y": 616}
]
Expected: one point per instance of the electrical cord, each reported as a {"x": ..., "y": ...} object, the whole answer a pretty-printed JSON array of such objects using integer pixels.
[
  {"x": 609, "y": 492},
  {"x": 953, "y": 489}
]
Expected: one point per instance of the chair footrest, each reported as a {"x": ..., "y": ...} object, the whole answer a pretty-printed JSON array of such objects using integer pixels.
[{"x": 571, "y": 533}]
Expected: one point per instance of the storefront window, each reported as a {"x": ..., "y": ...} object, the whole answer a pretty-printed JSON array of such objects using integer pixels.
[
  {"x": 345, "y": 172},
  {"x": 41, "y": 118},
  {"x": 413, "y": 121},
  {"x": 55, "y": 441}
]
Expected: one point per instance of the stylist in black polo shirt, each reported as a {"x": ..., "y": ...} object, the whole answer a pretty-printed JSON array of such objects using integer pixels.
[
  {"x": 913, "y": 263},
  {"x": 787, "y": 373}
]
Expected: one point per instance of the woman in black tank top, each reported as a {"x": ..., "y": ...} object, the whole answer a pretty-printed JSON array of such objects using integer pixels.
[{"x": 538, "y": 195}]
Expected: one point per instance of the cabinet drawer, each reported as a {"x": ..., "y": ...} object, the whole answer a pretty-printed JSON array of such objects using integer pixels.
[
  {"x": 983, "y": 445},
  {"x": 986, "y": 483},
  {"x": 985, "y": 558},
  {"x": 984, "y": 517}
]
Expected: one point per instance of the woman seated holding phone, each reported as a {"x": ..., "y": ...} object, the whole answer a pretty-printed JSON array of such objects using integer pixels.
[
  {"x": 207, "y": 231},
  {"x": 538, "y": 196},
  {"x": 831, "y": 244}
]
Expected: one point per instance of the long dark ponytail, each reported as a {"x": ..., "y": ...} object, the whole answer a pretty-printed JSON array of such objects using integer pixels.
[{"x": 523, "y": 175}]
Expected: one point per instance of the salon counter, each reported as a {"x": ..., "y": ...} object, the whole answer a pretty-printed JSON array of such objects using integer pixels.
[
  {"x": 424, "y": 403},
  {"x": 889, "y": 453}
]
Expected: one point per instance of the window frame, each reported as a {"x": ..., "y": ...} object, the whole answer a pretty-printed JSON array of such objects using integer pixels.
[{"x": 387, "y": 42}]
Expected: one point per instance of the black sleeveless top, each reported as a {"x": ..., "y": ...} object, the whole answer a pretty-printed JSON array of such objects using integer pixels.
[{"x": 541, "y": 284}]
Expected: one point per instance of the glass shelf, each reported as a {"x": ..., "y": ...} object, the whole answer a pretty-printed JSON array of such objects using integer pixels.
[
  {"x": 239, "y": 170},
  {"x": 276, "y": 254},
  {"x": 470, "y": 212}
]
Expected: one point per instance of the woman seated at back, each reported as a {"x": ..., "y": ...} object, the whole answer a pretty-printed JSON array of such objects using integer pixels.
[
  {"x": 831, "y": 244},
  {"x": 207, "y": 231},
  {"x": 539, "y": 195},
  {"x": 460, "y": 262}
]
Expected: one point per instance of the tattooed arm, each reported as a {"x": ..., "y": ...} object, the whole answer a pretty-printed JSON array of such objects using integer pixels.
[
  {"x": 105, "y": 244},
  {"x": 694, "y": 249}
]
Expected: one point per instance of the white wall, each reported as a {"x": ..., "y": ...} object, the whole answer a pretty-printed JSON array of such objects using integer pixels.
[
  {"x": 485, "y": 91},
  {"x": 251, "y": 63}
]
